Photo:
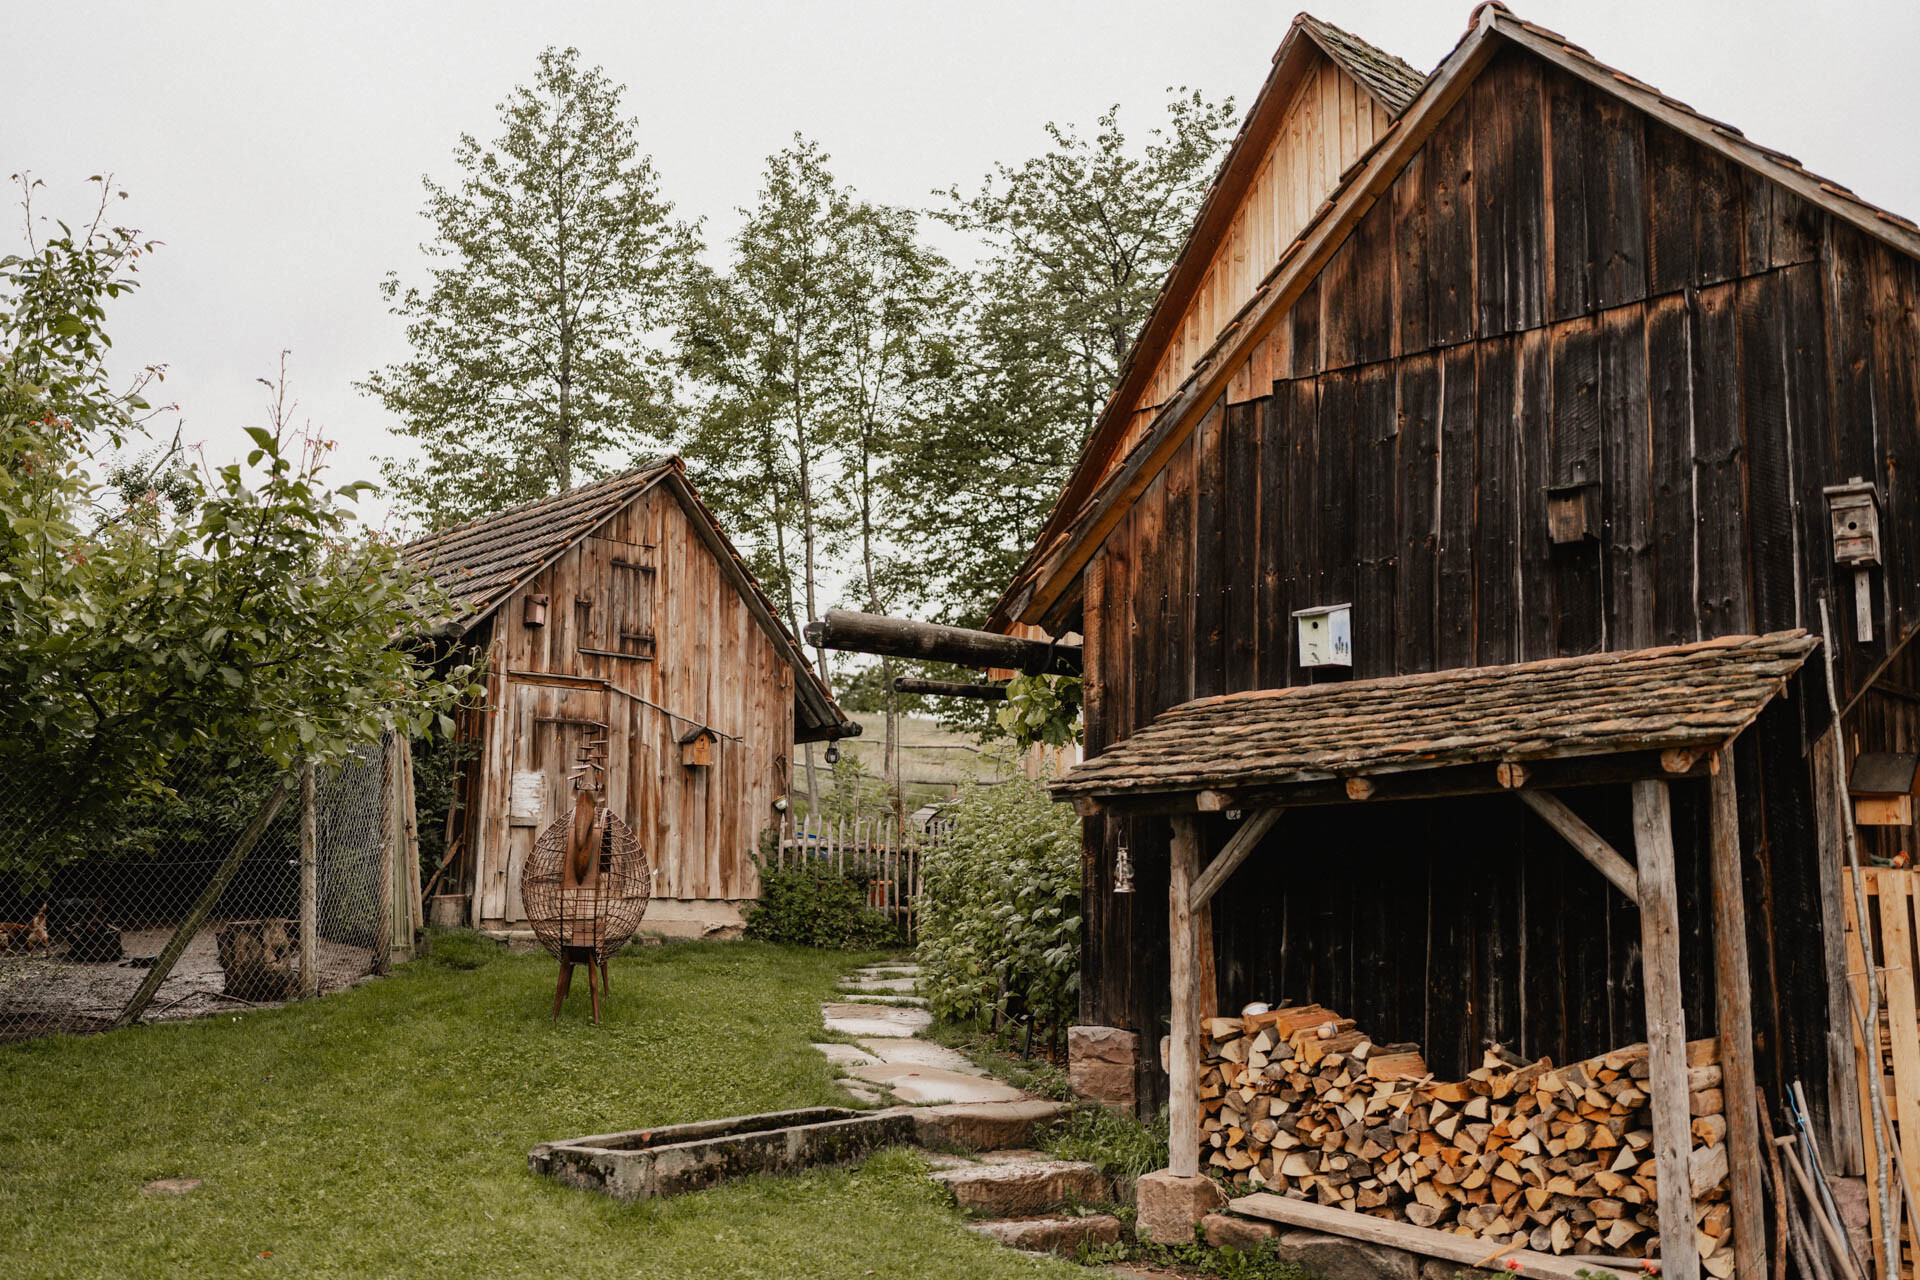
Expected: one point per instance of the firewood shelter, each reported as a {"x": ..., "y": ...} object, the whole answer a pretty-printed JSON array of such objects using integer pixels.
[{"x": 1648, "y": 720}]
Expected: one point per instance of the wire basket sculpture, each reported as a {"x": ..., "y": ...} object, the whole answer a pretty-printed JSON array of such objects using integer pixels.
[{"x": 586, "y": 884}]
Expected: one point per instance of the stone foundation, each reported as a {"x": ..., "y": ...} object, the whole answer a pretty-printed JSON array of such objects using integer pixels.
[
  {"x": 1170, "y": 1205},
  {"x": 1100, "y": 1065}
]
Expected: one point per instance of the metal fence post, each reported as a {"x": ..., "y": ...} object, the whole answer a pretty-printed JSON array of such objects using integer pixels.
[{"x": 309, "y": 884}]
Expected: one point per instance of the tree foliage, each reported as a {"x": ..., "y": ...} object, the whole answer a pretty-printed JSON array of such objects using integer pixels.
[
  {"x": 255, "y": 624},
  {"x": 556, "y": 264},
  {"x": 1078, "y": 240},
  {"x": 1000, "y": 913}
]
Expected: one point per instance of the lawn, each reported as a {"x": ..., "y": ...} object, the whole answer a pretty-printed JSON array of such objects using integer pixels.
[{"x": 384, "y": 1132}]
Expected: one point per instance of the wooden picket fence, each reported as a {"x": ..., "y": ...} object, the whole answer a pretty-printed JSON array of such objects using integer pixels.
[
  {"x": 872, "y": 849},
  {"x": 1894, "y": 942}
]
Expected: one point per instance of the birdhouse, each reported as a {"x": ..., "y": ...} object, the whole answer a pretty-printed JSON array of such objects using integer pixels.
[
  {"x": 1854, "y": 509},
  {"x": 1326, "y": 635},
  {"x": 1883, "y": 786},
  {"x": 534, "y": 613},
  {"x": 696, "y": 748},
  {"x": 1573, "y": 512}
]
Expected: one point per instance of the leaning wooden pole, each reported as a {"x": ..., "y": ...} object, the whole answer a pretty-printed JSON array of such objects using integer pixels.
[
  {"x": 184, "y": 931},
  {"x": 1733, "y": 996},
  {"x": 1666, "y": 1028},
  {"x": 309, "y": 883}
]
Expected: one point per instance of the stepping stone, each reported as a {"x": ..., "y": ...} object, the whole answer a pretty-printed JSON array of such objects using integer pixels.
[
  {"x": 874, "y": 1019},
  {"x": 862, "y": 1092},
  {"x": 948, "y": 1160},
  {"x": 916, "y": 1084},
  {"x": 1024, "y": 1187},
  {"x": 887, "y": 971},
  {"x": 1053, "y": 1233},
  {"x": 921, "y": 1053},
  {"x": 985, "y": 1126},
  {"x": 898, "y": 986},
  {"x": 846, "y": 1055}
]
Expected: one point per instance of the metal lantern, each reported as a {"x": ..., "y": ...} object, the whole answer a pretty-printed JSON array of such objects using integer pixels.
[{"x": 586, "y": 884}]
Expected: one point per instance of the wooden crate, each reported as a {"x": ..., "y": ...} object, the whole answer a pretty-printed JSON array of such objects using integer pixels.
[{"x": 1893, "y": 928}]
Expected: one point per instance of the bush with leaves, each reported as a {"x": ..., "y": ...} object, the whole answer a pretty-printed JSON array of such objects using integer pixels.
[
  {"x": 812, "y": 905},
  {"x": 1000, "y": 911}
]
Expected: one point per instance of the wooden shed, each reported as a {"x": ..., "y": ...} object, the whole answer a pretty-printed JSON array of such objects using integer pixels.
[
  {"x": 619, "y": 611},
  {"x": 1525, "y": 366}
]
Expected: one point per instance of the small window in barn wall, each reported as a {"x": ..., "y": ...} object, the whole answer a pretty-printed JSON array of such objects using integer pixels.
[{"x": 633, "y": 608}]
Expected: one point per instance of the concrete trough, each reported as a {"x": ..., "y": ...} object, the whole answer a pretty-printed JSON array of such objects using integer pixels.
[{"x": 641, "y": 1164}]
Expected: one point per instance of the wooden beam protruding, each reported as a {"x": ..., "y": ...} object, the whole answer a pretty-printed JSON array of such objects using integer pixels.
[
  {"x": 1229, "y": 859},
  {"x": 1183, "y": 1051},
  {"x": 1510, "y": 775},
  {"x": 1659, "y": 900},
  {"x": 1733, "y": 997},
  {"x": 1585, "y": 840},
  {"x": 1359, "y": 789},
  {"x": 854, "y": 632}
]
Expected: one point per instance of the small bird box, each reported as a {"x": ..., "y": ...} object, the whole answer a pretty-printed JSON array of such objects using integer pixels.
[
  {"x": 535, "y": 612},
  {"x": 1573, "y": 512},
  {"x": 1854, "y": 509},
  {"x": 696, "y": 748},
  {"x": 1883, "y": 786},
  {"x": 1326, "y": 635}
]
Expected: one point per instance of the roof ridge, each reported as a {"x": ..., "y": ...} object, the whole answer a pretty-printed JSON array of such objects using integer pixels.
[
  {"x": 1395, "y": 80},
  {"x": 472, "y": 522}
]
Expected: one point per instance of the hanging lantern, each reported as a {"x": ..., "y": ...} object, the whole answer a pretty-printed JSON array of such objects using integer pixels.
[
  {"x": 1123, "y": 870},
  {"x": 833, "y": 753}
]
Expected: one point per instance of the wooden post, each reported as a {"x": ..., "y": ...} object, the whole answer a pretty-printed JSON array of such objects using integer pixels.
[
  {"x": 309, "y": 884},
  {"x": 406, "y": 878},
  {"x": 1733, "y": 995},
  {"x": 1844, "y": 1104},
  {"x": 1666, "y": 1027},
  {"x": 384, "y": 943},
  {"x": 1183, "y": 1063}
]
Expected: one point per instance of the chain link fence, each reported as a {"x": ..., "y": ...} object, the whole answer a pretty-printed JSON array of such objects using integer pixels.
[{"x": 87, "y": 905}]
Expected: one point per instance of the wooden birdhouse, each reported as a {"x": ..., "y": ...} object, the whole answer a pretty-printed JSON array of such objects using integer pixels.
[
  {"x": 1573, "y": 512},
  {"x": 1883, "y": 786},
  {"x": 696, "y": 748},
  {"x": 1326, "y": 635},
  {"x": 534, "y": 612}
]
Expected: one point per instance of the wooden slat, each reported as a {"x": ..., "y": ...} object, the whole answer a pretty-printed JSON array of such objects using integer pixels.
[
  {"x": 1733, "y": 995},
  {"x": 1896, "y": 941},
  {"x": 1666, "y": 1027},
  {"x": 1585, "y": 840},
  {"x": 1227, "y": 861},
  {"x": 1402, "y": 1235}
]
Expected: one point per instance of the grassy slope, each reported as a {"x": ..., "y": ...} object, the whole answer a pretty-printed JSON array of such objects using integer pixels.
[{"x": 384, "y": 1132}]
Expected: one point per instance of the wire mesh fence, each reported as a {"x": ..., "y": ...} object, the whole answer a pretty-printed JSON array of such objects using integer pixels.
[{"x": 89, "y": 903}]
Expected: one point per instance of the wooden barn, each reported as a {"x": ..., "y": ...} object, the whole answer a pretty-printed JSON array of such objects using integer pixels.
[
  {"x": 619, "y": 611},
  {"x": 1453, "y": 563}
]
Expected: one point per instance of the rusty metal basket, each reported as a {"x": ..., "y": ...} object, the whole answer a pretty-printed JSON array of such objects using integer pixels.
[{"x": 601, "y": 912}]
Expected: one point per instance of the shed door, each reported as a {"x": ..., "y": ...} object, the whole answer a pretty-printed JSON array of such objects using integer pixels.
[{"x": 550, "y": 726}]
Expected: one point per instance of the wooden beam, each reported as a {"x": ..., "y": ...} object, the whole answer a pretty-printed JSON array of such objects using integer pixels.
[
  {"x": 1733, "y": 1001},
  {"x": 1846, "y": 1123},
  {"x": 854, "y": 632},
  {"x": 1229, "y": 859},
  {"x": 1436, "y": 782},
  {"x": 950, "y": 689},
  {"x": 1183, "y": 1055},
  {"x": 1584, "y": 839},
  {"x": 1470, "y": 1252},
  {"x": 1659, "y": 900}
]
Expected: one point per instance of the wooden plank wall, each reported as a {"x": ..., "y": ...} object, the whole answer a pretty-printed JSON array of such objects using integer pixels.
[
  {"x": 710, "y": 663},
  {"x": 1331, "y": 122},
  {"x": 1554, "y": 289},
  {"x": 1887, "y": 718}
]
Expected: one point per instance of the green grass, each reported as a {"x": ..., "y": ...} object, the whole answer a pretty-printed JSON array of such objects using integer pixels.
[{"x": 384, "y": 1132}]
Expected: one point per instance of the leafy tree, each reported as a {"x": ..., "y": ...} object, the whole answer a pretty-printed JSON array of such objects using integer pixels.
[
  {"x": 258, "y": 625},
  {"x": 1078, "y": 242},
  {"x": 556, "y": 262}
]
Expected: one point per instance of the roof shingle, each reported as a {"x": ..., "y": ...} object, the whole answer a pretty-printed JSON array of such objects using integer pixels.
[{"x": 1681, "y": 696}]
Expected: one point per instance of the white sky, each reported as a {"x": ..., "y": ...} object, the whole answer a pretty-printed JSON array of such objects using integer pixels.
[{"x": 277, "y": 149}]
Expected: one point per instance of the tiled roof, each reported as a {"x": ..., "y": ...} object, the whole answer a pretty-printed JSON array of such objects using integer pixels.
[
  {"x": 1683, "y": 696},
  {"x": 1391, "y": 80},
  {"x": 480, "y": 562}
]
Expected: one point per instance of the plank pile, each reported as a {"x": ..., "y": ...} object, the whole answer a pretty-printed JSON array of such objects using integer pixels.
[{"x": 1560, "y": 1160}]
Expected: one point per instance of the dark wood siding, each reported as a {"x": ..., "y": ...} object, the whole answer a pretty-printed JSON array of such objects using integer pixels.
[{"x": 1555, "y": 289}]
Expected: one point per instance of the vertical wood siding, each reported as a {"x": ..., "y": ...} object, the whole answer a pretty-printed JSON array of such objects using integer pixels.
[
  {"x": 710, "y": 663},
  {"x": 1554, "y": 290}
]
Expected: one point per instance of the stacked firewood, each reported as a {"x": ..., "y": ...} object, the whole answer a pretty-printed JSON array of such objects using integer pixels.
[{"x": 1560, "y": 1160}]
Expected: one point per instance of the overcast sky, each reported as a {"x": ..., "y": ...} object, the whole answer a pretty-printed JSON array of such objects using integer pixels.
[{"x": 277, "y": 149}]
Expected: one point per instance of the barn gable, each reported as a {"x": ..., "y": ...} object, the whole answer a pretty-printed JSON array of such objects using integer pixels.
[{"x": 1602, "y": 194}]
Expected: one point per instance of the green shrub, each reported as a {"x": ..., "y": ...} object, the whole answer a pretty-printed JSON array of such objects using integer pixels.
[
  {"x": 1002, "y": 903},
  {"x": 1118, "y": 1145},
  {"x": 815, "y": 906}
]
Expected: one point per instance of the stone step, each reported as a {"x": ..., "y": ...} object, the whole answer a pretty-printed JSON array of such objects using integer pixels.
[
  {"x": 1053, "y": 1233},
  {"x": 1024, "y": 1187},
  {"x": 854, "y": 1019},
  {"x": 921, "y": 1053},
  {"x": 922, "y": 1085},
  {"x": 984, "y": 1126},
  {"x": 875, "y": 986},
  {"x": 846, "y": 1055},
  {"x": 883, "y": 998}
]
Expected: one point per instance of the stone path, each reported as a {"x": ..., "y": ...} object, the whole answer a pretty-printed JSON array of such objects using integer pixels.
[{"x": 1019, "y": 1197}]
